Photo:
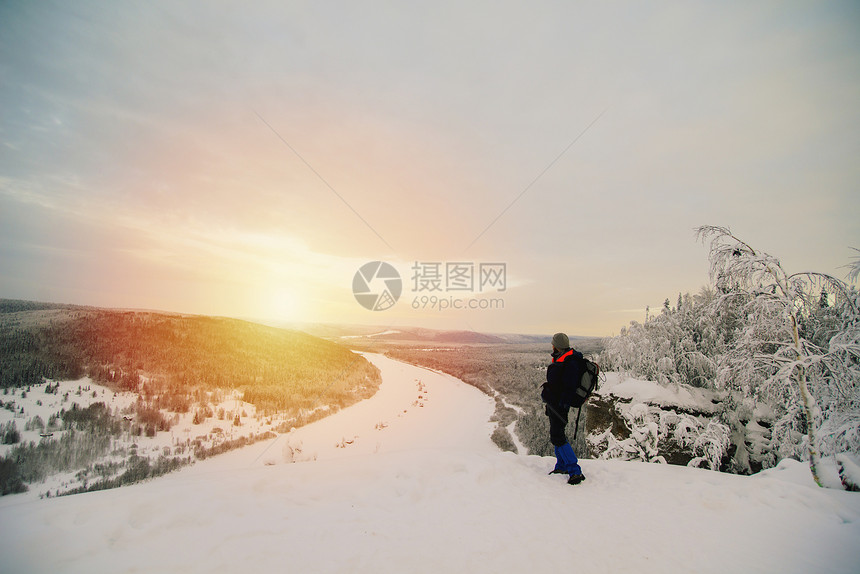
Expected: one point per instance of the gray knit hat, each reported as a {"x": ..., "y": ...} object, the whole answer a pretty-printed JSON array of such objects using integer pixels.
[{"x": 560, "y": 341}]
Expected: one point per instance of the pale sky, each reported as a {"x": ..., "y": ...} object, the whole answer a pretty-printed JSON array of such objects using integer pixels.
[{"x": 245, "y": 159}]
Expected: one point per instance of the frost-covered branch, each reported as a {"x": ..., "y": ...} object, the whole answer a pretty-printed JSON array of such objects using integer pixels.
[{"x": 777, "y": 342}]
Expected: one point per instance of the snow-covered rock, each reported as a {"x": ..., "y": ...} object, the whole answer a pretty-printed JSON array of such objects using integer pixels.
[{"x": 672, "y": 396}]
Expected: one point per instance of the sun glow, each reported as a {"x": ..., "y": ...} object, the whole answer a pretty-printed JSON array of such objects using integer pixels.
[{"x": 283, "y": 305}]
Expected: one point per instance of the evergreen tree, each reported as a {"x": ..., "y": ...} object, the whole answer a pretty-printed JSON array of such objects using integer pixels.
[{"x": 10, "y": 433}]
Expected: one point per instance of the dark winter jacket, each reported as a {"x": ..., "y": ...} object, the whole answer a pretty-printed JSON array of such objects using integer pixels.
[{"x": 553, "y": 388}]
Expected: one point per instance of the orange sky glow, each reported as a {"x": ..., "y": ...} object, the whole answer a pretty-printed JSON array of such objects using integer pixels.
[{"x": 247, "y": 160}]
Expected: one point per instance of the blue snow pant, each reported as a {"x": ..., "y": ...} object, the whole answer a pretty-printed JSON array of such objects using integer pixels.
[{"x": 566, "y": 460}]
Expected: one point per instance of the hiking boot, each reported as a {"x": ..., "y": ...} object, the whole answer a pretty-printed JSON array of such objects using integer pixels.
[
  {"x": 575, "y": 479},
  {"x": 558, "y": 471}
]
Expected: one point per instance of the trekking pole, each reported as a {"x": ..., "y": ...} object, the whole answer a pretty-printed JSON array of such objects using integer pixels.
[
  {"x": 576, "y": 426},
  {"x": 578, "y": 414}
]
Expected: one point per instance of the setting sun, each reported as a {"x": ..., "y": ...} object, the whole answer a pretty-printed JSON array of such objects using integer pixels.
[{"x": 282, "y": 305}]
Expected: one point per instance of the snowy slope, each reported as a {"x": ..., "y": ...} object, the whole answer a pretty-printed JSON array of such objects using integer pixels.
[{"x": 425, "y": 491}]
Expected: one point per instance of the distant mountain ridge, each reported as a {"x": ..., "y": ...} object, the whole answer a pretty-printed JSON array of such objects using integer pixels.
[
  {"x": 423, "y": 334},
  {"x": 334, "y": 331}
]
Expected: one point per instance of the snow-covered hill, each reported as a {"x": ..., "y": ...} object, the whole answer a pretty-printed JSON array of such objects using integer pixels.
[{"x": 408, "y": 481}]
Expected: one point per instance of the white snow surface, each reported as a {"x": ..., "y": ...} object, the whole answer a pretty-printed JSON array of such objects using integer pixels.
[{"x": 422, "y": 489}]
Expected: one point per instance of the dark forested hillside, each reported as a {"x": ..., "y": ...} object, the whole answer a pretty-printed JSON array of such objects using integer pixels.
[
  {"x": 189, "y": 375},
  {"x": 168, "y": 356}
]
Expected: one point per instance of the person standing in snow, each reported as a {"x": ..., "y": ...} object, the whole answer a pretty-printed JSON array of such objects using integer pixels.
[{"x": 557, "y": 410}]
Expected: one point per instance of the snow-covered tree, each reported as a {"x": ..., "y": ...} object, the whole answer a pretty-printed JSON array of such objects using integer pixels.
[
  {"x": 783, "y": 349},
  {"x": 788, "y": 350},
  {"x": 678, "y": 346},
  {"x": 654, "y": 430}
]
